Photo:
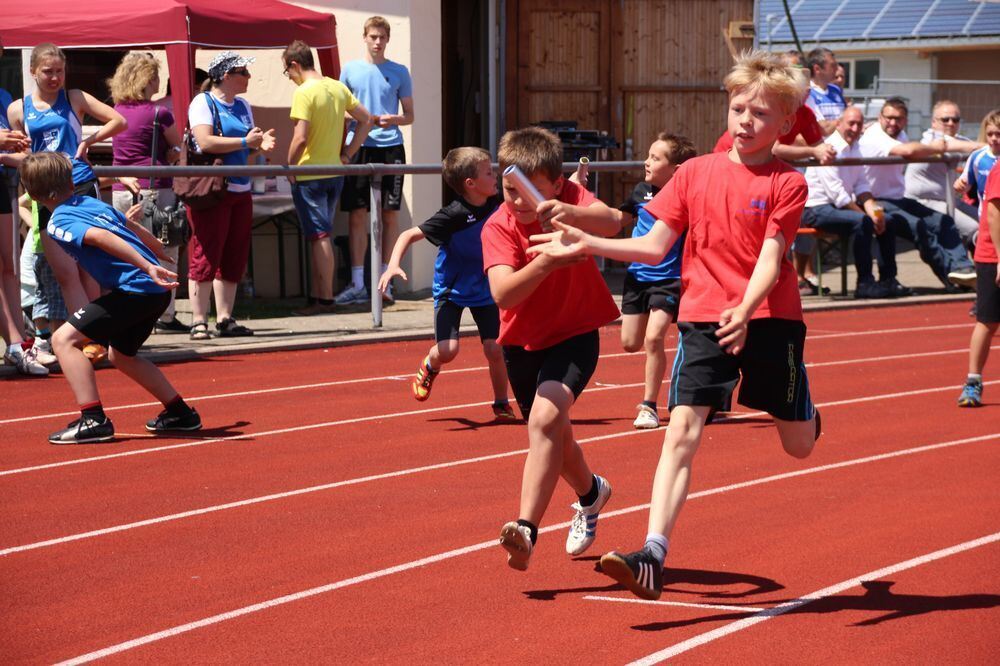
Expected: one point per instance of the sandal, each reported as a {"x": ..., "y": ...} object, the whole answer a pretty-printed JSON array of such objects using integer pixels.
[
  {"x": 199, "y": 331},
  {"x": 228, "y": 328}
]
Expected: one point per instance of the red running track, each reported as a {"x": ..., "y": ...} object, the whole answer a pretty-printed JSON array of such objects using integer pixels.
[{"x": 325, "y": 515}]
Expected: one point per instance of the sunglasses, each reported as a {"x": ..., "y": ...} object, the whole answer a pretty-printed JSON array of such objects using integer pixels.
[
  {"x": 950, "y": 119},
  {"x": 241, "y": 71}
]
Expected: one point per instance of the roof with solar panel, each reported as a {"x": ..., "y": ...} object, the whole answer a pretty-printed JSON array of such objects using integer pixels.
[{"x": 869, "y": 24}]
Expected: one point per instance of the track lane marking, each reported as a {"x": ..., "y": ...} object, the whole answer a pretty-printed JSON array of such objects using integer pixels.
[
  {"x": 781, "y": 609},
  {"x": 416, "y": 412},
  {"x": 483, "y": 545},
  {"x": 362, "y": 380},
  {"x": 626, "y": 600},
  {"x": 398, "y": 473}
]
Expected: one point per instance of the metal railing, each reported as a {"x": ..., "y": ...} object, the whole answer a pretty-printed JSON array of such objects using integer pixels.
[{"x": 378, "y": 170}]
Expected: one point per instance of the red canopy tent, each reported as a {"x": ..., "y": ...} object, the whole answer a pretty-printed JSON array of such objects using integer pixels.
[{"x": 178, "y": 26}]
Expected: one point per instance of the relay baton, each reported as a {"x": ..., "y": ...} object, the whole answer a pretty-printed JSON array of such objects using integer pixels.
[
  {"x": 582, "y": 171},
  {"x": 524, "y": 188}
]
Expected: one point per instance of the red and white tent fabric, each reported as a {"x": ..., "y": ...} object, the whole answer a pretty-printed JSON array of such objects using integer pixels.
[{"x": 178, "y": 26}]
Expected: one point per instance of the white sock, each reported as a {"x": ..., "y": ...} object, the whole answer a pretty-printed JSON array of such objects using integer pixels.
[
  {"x": 358, "y": 276},
  {"x": 657, "y": 546},
  {"x": 14, "y": 349},
  {"x": 974, "y": 378}
]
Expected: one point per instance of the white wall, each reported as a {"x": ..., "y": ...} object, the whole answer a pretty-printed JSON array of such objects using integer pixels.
[{"x": 904, "y": 65}]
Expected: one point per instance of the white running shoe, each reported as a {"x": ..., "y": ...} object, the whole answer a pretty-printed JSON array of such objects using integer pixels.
[
  {"x": 516, "y": 540},
  {"x": 43, "y": 351},
  {"x": 647, "y": 418},
  {"x": 963, "y": 277},
  {"x": 26, "y": 363},
  {"x": 351, "y": 295},
  {"x": 583, "y": 527}
]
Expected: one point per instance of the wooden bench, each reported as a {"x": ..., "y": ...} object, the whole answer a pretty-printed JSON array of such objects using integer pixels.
[{"x": 830, "y": 240}]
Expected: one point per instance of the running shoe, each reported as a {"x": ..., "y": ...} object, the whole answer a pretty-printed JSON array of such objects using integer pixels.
[
  {"x": 871, "y": 289},
  {"x": 43, "y": 351},
  {"x": 352, "y": 296},
  {"x": 167, "y": 422},
  {"x": 172, "y": 325},
  {"x": 502, "y": 411},
  {"x": 896, "y": 290},
  {"x": 26, "y": 362},
  {"x": 583, "y": 527},
  {"x": 963, "y": 277},
  {"x": 516, "y": 540},
  {"x": 640, "y": 572},
  {"x": 84, "y": 430},
  {"x": 423, "y": 380},
  {"x": 647, "y": 419},
  {"x": 972, "y": 394}
]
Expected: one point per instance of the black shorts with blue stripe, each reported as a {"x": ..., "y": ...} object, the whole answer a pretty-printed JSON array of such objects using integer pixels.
[{"x": 774, "y": 376}]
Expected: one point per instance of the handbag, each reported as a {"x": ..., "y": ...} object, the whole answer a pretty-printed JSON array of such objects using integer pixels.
[
  {"x": 200, "y": 192},
  {"x": 168, "y": 223}
]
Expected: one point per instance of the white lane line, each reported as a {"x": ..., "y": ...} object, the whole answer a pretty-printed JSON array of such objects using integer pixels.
[
  {"x": 767, "y": 614},
  {"x": 430, "y": 410},
  {"x": 361, "y": 380},
  {"x": 483, "y": 545},
  {"x": 738, "y": 609}
]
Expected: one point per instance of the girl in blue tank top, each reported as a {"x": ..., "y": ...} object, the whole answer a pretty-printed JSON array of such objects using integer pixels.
[{"x": 50, "y": 116}]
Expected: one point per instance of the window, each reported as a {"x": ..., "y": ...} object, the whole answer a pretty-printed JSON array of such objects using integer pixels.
[{"x": 860, "y": 74}]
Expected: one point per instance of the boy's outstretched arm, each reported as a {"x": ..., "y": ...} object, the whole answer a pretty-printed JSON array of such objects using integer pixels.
[
  {"x": 597, "y": 219},
  {"x": 570, "y": 241},
  {"x": 733, "y": 321},
  {"x": 403, "y": 243},
  {"x": 104, "y": 240}
]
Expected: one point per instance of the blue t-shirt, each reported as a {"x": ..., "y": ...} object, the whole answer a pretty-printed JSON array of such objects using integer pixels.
[
  {"x": 70, "y": 223},
  {"x": 831, "y": 104},
  {"x": 57, "y": 130},
  {"x": 458, "y": 269},
  {"x": 236, "y": 120},
  {"x": 977, "y": 170},
  {"x": 379, "y": 89},
  {"x": 5, "y": 100},
  {"x": 670, "y": 267}
]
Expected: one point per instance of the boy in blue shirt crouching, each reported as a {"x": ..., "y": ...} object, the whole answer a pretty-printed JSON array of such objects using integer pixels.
[{"x": 118, "y": 253}]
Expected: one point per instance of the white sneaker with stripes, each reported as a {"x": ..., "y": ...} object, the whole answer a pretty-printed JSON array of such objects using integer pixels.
[{"x": 583, "y": 527}]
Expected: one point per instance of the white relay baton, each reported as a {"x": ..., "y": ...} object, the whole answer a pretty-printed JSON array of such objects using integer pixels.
[{"x": 528, "y": 192}]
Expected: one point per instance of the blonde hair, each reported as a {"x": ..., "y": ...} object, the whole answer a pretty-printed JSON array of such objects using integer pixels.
[
  {"x": 991, "y": 118},
  {"x": 761, "y": 71},
  {"x": 375, "y": 22},
  {"x": 133, "y": 74},
  {"x": 462, "y": 163},
  {"x": 45, "y": 50},
  {"x": 46, "y": 175},
  {"x": 532, "y": 150}
]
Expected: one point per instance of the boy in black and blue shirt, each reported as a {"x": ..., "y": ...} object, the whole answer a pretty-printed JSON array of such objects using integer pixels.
[
  {"x": 122, "y": 257},
  {"x": 459, "y": 280}
]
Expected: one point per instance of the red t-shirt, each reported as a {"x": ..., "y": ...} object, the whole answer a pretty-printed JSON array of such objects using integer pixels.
[
  {"x": 986, "y": 251},
  {"x": 728, "y": 210},
  {"x": 569, "y": 301},
  {"x": 805, "y": 124}
]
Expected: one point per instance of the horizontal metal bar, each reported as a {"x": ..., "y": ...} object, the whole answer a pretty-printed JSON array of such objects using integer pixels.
[
  {"x": 939, "y": 81},
  {"x": 431, "y": 169}
]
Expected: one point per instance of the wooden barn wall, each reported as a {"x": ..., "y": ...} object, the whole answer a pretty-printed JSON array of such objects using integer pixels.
[{"x": 632, "y": 68}]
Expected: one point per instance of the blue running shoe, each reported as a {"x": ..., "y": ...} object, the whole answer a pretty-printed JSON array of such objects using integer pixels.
[{"x": 972, "y": 394}]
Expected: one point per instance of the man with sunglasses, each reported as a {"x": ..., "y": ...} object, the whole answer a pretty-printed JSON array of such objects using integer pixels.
[
  {"x": 934, "y": 234},
  {"x": 926, "y": 181}
]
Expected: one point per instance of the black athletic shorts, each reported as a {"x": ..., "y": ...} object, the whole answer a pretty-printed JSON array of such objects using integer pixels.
[
  {"x": 357, "y": 189},
  {"x": 987, "y": 293},
  {"x": 448, "y": 317},
  {"x": 8, "y": 178},
  {"x": 641, "y": 297},
  {"x": 120, "y": 320},
  {"x": 774, "y": 376},
  {"x": 571, "y": 363}
]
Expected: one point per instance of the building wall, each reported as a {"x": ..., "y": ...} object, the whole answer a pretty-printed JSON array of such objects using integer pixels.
[{"x": 905, "y": 65}]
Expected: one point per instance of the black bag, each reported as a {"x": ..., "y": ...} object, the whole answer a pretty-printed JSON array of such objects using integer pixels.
[
  {"x": 200, "y": 192},
  {"x": 168, "y": 223}
]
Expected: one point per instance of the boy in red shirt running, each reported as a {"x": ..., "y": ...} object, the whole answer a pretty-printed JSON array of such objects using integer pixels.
[
  {"x": 550, "y": 310},
  {"x": 740, "y": 312},
  {"x": 987, "y": 291}
]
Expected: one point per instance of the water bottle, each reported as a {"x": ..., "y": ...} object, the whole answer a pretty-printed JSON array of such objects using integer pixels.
[{"x": 260, "y": 182}]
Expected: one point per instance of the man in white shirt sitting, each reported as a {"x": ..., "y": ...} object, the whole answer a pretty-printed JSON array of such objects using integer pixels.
[
  {"x": 840, "y": 202},
  {"x": 934, "y": 234}
]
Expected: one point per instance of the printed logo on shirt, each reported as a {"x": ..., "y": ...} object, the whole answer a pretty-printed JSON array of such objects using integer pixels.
[
  {"x": 472, "y": 218},
  {"x": 647, "y": 197},
  {"x": 757, "y": 207},
  {"x": 51, "y": 139}
]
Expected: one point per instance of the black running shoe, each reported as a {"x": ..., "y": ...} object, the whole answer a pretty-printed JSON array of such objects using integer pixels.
[
  {"x": 639, "y": 572},
  {"x": 85, "y": 430},
  {"x": 167, "y": 422},
  {"x": 171, "y": 325}
]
